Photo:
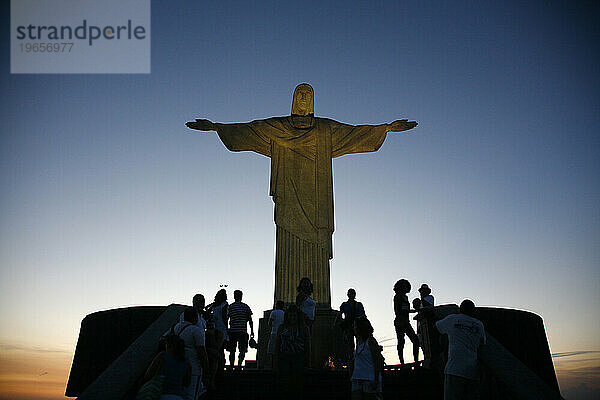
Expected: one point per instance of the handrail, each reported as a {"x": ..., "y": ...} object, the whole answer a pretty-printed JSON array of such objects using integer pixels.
[{"x": 120, "y": 377}]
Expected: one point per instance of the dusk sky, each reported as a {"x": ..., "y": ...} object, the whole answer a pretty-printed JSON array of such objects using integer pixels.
[{"x": 109, "y": 201}]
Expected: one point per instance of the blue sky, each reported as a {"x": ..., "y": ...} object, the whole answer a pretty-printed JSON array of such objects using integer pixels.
[{"x": 109, "y": 200}]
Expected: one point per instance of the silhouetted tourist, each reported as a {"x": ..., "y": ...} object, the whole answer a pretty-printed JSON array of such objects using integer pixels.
[
  {"x": 465, "y": 335},
  {"x": 416, "y": 303},
  {"x": 427, "y": 300},
  {"x": 292, "y": 352},
  {"x": 275, "y": 319},
  {"x": 214, "y": 351},
  {"x": 402, "y": 321},
  {"x": 219, "y": 314},
  {"x": 174, "y": 367},
  {"x": 424, "y": 304},
  {"x": 368, "y": 362},
  {"x": 350, "y": 310},
  {"x": 195, "y": 351},
  {"x": 305, "y": 303},
  {"x": 239, "y": 315},
  {"x": 198, "y": 302}
]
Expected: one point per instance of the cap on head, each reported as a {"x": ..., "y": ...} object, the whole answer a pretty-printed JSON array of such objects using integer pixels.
[
  {"x": 303, "y": 102},
  {"x": 425, "y": 289}
]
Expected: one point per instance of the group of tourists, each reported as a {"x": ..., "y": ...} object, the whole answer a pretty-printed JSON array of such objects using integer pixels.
[
  {"x": 465, "y": 335},
  {"x": 194, "y": 347}
]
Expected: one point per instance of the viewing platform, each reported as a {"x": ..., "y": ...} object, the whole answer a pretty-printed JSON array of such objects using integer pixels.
[{"x": 115, "y": 348}]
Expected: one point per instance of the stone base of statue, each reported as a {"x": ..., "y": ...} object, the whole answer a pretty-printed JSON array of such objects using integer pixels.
[{"x": 327, "y": 341}]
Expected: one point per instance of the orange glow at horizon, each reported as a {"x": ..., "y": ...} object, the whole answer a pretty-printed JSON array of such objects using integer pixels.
[
  {"x": 33, "y": 374},
  {"x": 37, "y": 374}
]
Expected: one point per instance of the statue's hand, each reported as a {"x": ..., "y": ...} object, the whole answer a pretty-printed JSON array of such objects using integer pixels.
[
  {"x": 401, "y": 125},
  {"x": 201, "y": 125}
]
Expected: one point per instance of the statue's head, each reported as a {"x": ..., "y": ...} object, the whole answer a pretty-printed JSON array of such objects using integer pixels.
[{"x": 304, "y": 100}]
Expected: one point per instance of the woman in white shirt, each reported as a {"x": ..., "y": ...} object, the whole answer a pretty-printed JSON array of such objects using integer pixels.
[
  {"x": 368, "y": 362},
  {"x": 305, "y": 303}
]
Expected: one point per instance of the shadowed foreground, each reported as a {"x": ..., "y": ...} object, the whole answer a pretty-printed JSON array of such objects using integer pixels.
[{"x": 516, "y": 360}]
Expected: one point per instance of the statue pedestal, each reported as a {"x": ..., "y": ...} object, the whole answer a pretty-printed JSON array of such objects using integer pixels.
[{"x": 326, "y": 341}]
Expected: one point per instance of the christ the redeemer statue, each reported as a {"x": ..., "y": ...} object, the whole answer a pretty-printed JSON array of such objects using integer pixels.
[{"x": 301, "y": 147}]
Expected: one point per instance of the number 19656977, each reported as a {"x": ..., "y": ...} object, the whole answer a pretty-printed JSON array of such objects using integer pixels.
[{"x": 46, "y": 47}]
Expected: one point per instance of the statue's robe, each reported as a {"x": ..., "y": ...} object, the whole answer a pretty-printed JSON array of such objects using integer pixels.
[{"x": 301, "y": 149}]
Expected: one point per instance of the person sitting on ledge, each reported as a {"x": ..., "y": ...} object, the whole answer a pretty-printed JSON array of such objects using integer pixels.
[{"x": 305, "y": 303}]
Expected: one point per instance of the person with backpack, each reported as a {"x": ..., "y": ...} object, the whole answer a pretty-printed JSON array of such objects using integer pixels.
[
  {"x": 195, "y": 350},
  {"x": 368, "y": 362}
]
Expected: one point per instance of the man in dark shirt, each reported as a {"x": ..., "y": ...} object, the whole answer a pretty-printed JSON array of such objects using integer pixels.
[
  {"x": 350, "y": 310},
  {"x": 239, "y": 314}
]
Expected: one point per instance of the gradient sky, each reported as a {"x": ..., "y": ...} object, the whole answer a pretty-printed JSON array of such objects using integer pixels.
[{"x": 108, "y": 200}]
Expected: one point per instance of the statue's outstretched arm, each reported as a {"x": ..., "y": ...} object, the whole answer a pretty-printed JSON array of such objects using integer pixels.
[
  {"x": 401, "y": 125},
  {"x": 202, "y": 125},
  {"x": 236, "y": 137}
]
